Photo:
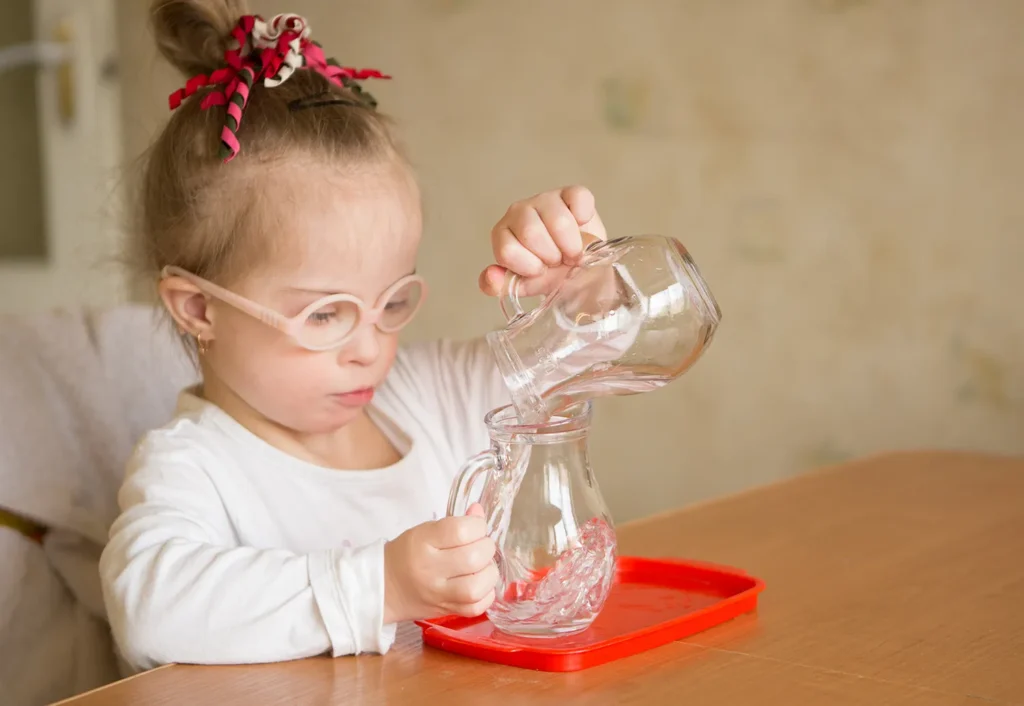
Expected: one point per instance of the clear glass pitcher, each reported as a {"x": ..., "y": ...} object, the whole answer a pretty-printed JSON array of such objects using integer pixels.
[
  {"x": 632, "y": 316},
  {"x": 555, "y": 539}
]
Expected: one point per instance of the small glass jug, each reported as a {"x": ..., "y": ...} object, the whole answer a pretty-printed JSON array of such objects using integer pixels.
[
  {"x": 632, "y": 316},
  {"x": 555, "y": 539}
]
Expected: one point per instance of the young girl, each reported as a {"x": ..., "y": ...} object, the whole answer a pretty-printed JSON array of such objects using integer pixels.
[{"x": 295, "y": 505}]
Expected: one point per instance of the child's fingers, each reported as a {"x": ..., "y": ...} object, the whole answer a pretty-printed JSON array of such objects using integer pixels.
[
  {"x": 468, "y": 589},
  {"x": 562, "y": 228},
  {"x": 544, "y": 284},
  {"x": 472, "y": 610},
  {"x": 467, "y": 559},
  {"x": 492, "y": 279},
  {"x": 530, "y": 229},
  {"x": 511, "y": 254},
  {"x": 449, "y": 532},
  {"x": 541, "y": 237},
  {"x": 581, "y": 203},
  {"x": 475, "y": 510}
]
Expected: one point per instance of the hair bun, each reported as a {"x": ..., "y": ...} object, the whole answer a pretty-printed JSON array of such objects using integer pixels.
[{"x": 194, "y": 34}]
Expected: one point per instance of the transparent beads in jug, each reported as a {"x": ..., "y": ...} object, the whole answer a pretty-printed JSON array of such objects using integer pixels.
[{"x": 555, "y": 539}]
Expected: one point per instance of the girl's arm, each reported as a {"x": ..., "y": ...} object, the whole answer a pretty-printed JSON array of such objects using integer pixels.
[{"x": 178, "y": 589}]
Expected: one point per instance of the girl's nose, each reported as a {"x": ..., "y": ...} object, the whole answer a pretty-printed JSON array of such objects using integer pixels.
[{"x": 364, "y": 346}]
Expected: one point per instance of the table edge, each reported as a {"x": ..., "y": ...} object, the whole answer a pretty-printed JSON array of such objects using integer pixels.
[{"x": 104, "y": 687}]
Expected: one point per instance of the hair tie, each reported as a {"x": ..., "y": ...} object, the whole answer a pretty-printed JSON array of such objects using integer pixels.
[{"x": 271, "y": 52}]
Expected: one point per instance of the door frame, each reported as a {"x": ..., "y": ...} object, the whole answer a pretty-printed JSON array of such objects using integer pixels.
[{"x": 79, "y": 108}]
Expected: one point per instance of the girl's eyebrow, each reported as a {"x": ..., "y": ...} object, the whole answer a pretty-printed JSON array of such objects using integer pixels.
[{"x": 328, "y": 292}]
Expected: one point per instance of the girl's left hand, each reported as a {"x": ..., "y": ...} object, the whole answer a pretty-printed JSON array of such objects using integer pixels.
[{"x": 541, "y": 236}]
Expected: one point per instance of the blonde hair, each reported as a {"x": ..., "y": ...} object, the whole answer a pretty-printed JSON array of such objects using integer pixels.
[{"x": 201, "y": 214}]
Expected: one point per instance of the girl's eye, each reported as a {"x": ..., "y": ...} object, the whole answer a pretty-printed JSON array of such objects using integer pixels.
[
  {"x": 395, "y": 306},
  {"x": 318, "y": 318}
]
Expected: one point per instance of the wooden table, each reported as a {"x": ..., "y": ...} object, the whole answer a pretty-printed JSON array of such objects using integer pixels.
[{"x": 893, "y": 580}]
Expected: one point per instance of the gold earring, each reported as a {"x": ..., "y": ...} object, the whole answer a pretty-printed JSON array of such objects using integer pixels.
[{"x": 202, "y": 345}]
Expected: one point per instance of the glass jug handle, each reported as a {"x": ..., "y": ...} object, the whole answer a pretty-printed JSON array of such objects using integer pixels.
[
  {"x": 459, "y": 499},
  {"x": 509, "y": 298}
]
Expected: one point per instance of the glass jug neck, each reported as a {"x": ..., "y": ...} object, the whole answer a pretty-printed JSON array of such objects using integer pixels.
[{"x": 570, "y": 424}]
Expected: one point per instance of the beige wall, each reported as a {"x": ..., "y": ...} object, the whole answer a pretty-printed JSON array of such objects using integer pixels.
[{"x": 845, "y": 173}]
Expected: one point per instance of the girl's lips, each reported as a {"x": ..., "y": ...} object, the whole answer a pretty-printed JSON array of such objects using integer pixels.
[{"x": 355, "y": 398}]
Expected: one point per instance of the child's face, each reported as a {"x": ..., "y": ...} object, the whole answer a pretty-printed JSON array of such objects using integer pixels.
[{"x": 355, "y": 233}]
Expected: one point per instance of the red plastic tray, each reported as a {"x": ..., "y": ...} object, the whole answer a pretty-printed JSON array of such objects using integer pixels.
[{"x": 653, "y": 602}]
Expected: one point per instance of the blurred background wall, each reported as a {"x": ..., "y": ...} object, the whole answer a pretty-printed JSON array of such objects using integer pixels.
[{"x": 844, "y": 172}]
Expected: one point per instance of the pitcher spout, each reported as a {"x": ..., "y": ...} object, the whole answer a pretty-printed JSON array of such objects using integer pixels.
[{"x": 525, "y": 395}]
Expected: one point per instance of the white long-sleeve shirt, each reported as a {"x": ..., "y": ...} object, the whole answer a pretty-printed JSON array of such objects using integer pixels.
[{"x": 229, "y": 550}]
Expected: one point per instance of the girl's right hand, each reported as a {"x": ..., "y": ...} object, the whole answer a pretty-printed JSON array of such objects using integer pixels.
[
  {"x": 440, "y": 568},
  {"x": 540, "y": 238}
]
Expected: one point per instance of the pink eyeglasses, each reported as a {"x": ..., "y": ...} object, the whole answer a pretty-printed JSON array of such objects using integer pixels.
[{"x": 330, "y": 321}]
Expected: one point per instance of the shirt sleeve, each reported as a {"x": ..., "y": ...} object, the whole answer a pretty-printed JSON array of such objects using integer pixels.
[
  {"x": 460, "y": 383},
  {"x": 178, "y": 588}
]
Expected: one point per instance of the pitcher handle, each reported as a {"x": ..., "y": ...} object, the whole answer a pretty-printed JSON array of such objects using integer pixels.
[
  {"x": 459, "y": 499},
  {"x": 509, "y": 302},
  {"x": 511, "y": 308}
]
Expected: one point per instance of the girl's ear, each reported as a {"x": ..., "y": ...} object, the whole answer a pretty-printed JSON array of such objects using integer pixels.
[{"x": 188, "y": 307}]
